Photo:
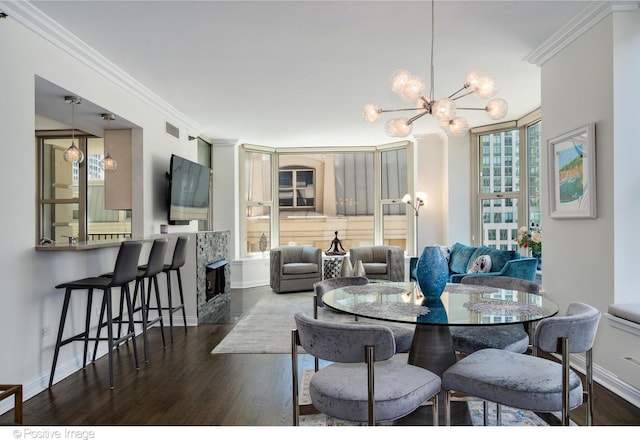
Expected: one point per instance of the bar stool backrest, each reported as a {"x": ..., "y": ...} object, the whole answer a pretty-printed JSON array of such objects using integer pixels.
[
  {"x": 180, "y": 252},
  {"x": 126, "y": 267},
  {"x": 155, "y": 265}
]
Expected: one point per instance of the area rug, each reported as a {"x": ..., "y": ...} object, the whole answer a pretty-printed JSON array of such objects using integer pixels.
[{"x": 266, "y": 328}]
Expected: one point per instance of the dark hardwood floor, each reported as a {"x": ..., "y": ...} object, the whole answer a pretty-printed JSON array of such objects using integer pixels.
[{"x": 186, "y": 385}]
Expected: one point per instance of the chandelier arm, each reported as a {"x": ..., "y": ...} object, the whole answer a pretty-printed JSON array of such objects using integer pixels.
[
  {"x": 454, "y": 97},
  {"x": 402, "y": 110},
  {"x": 471, "y": 108},
  {"x": 418, "y": 116}
]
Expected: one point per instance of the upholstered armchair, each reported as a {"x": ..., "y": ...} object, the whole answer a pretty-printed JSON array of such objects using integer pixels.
[
  {"x": 380, "y": 262},
  {"x": 295, "y": 268}
]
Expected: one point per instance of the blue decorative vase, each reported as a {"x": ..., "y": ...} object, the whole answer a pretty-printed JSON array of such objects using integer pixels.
[{"x": 432, "y": 272}]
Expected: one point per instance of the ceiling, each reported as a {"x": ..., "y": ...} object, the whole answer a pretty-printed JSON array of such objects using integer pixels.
[{"x": 296, "y": 73}]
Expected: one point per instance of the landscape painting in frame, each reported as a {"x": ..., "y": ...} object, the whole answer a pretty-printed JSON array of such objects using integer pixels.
[{"x": 572, "y": 184}]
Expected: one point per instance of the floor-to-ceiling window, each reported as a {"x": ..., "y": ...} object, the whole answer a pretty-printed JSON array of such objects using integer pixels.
[
  {"x": 507, "y": 181},
  {"x": 316, "y": 192}
]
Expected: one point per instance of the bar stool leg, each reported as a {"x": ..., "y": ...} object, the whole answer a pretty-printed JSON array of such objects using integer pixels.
[
  {"x": 108, "y": 298},
  {"x": 169, "y": 295},
  {"x": 87, "y": 326},
  {"x": 160, "y": 319},
  {"x": 184, "y": 313},
  {"x": 132, "y": 330},
  {"x": 63, "y": 318}
]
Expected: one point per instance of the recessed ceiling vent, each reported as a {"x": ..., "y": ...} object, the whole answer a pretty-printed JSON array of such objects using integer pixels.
[{"x": 172, "y": 130}]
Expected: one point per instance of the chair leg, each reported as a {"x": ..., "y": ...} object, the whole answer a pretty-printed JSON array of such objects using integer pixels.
[
  {"x": 498, "y": 414},
  {"x": 447, "y": 407},
  {"x": 294, "y": 378},
  {"x": 63, "y": 318},
  {"x": 485, "y": 412},
  {"x": 589, "y": 386},
  {"x": 435, "y": 410},
  {"x": 564, "y": 346}
]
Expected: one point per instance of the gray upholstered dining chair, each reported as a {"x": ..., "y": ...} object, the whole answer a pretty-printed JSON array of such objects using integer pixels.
[
  {"x": 403, "y": 335},
  {"x": 530, "y": 382},
  {"x": 511, "y": 337},
  {"x": 362, "y": 381}
]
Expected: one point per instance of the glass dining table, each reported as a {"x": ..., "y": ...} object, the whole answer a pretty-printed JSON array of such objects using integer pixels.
[{"x": 459, "y": 305}]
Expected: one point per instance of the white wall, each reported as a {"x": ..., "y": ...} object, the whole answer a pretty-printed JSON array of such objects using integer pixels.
[
  {"x": 595, "y": 260},
  {"x": 31, "y": 304}
]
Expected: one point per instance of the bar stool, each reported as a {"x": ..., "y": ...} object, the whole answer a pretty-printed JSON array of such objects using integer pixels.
[
  {"x": 178, "y": 260},
  {"x": 125, "y": 270},
  {"x": 150, "y": 272}
]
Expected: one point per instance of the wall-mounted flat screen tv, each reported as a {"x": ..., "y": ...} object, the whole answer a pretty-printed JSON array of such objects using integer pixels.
[{"x": 189, "y": 184}]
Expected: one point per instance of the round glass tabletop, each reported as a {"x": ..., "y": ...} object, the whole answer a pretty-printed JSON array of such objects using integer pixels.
[{"x": 459, "y": 304}]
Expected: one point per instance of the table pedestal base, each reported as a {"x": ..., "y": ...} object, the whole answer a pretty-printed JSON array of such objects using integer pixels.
[{"x": 432, "y": 349}]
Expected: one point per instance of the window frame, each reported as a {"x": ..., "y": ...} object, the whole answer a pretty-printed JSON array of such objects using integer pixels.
[{"x": 522, "y": 172}]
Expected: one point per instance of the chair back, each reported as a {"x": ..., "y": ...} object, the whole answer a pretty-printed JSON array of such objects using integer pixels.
[
  {"x": 156, "y": 257},
  {"x": 503, "y": 282},
  {"x": 343, "y": 342},
  {"x": 126, "y": 267},
  {"x": 179, "y": 252},
  {"x": 322, "y": 287},
  {"x": 579, "y": 326}
]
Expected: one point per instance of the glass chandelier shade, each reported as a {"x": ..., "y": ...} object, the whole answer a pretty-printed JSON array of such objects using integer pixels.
[
  {"x": 411, "y": 88},
  {"x": 108, "y": 163},
  {"x": 73, "y": 153}
]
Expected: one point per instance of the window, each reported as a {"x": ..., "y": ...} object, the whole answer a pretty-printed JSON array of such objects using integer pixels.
[
  {"x": 318, "y": 191},
  {"x": 72, "y": 196},
  {"x": 516, "y": 202},
  {"x": 296, "y": 188}
]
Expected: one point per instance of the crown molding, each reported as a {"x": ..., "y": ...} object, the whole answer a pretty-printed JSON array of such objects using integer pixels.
[
  {"x": 581, "y": 23},
  {"x": 35, "y": 20}
]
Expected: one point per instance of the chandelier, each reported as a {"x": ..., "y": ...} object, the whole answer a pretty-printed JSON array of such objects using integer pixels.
[{"x": 411, "y": 88}]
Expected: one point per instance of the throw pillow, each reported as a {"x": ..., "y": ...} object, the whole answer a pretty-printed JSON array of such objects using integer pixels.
[
  {"x": 460, "y": 258},
  {"x": 446, "y": 252},
  {"x": 481, "y": 264}
]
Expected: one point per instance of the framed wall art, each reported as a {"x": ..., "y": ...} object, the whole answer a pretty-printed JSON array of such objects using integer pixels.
[{"x": 572, "y": 174}]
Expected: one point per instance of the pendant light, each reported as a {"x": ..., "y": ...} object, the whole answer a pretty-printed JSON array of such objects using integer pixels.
[
  {"x": 73, "y": 153},
  {"x": 108, "y": 163}
]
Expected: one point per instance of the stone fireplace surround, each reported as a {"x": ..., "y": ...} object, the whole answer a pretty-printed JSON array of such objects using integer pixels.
[{"x": 211, "y": 247}]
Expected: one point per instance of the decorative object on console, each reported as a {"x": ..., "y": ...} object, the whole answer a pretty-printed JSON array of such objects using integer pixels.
[
  {"x": 336, "y": 247},
  {"x": 411, "y": 88},
  {"x": 73, "y": 153},
  {"x": 108, "y": 163},
  {"x": 263, "y": 243},
  {"x": 347, "y": 268},
  {"x": 432, "y": 272},
  {"x": 531, "y": 238}
]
